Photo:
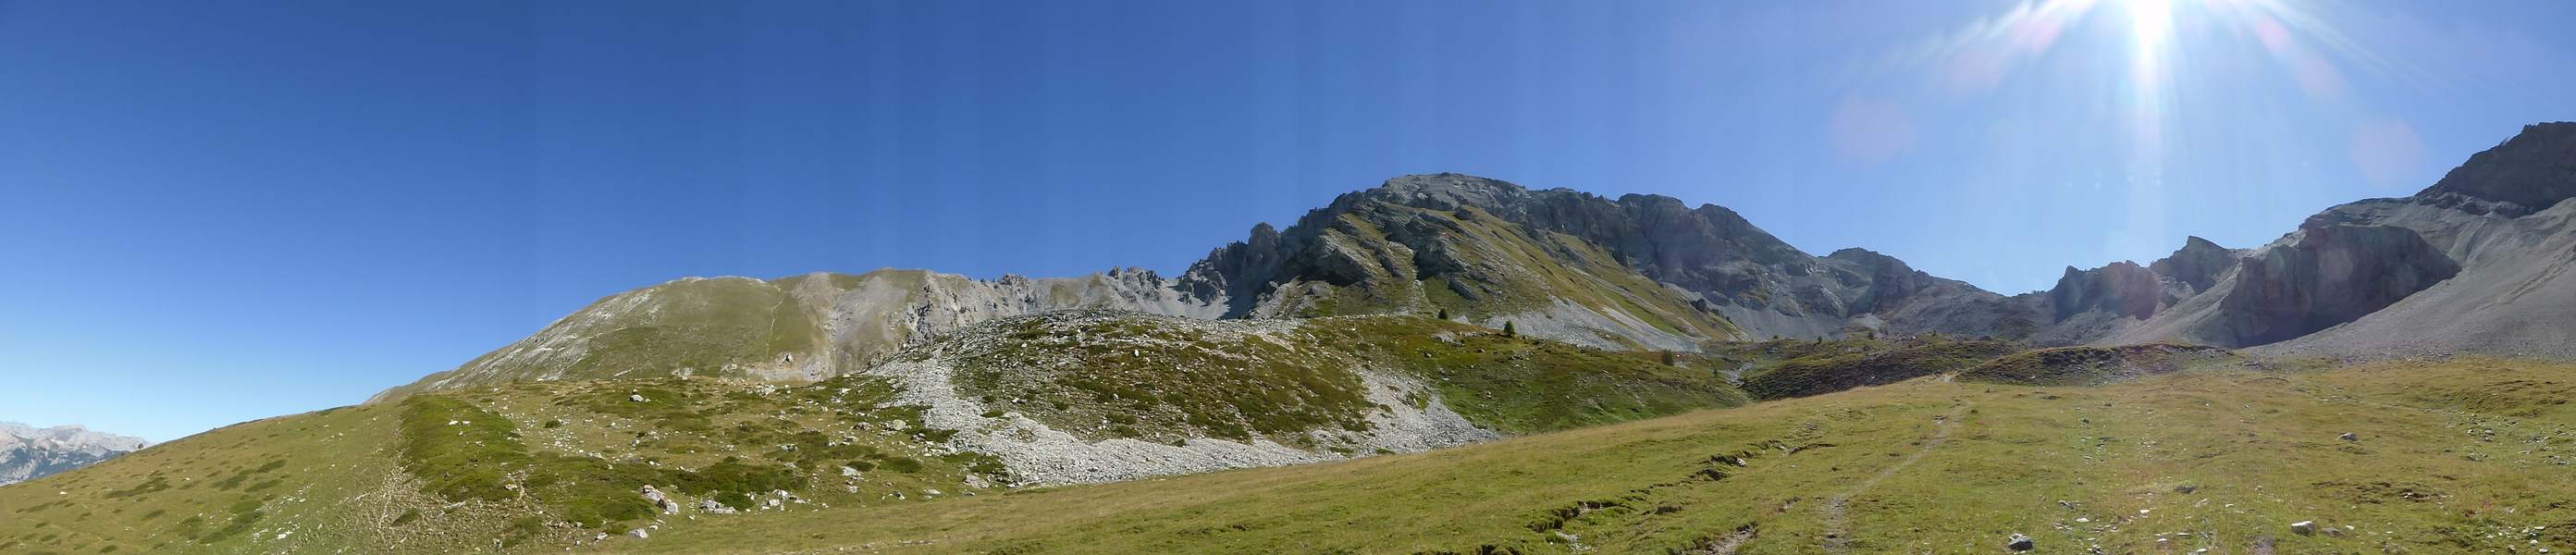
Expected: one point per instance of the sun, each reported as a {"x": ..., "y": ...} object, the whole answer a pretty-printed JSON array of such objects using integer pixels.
[{"x": 2150, "y": 35}]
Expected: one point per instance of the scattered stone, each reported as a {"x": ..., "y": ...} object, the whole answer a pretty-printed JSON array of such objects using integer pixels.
[
  {"x": 2018, "y": 542},
  {"x": 639, "y": 533},
  {"x": 2304, "y": 527},
  {"x": 662, "y": 502},
  {"x": 851, "y": 473},
  {"x": 637, "y": 398},
  {"x": 710, "y": 505}
]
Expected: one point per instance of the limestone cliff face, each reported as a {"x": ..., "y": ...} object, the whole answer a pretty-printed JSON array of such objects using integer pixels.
[
  {"x": 2123, "y": 288},
  {"x": 2329, "y": 275},
  {"x": 2199, "y": 264},
  {"x": 28, "y": 453}
]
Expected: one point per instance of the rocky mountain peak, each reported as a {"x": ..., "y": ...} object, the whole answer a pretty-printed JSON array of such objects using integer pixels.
[
  {"x": 2199, "y": 263},
  {"x": 2527, "y": 173},
  {"x": 2123, "y": 288}
]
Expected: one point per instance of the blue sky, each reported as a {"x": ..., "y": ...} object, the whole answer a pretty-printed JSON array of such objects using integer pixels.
[{"x": 214, "y": 212}]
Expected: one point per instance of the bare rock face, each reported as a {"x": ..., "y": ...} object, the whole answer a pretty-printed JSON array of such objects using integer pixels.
[
  {"x": 1727, "y": 267},
  {"x": 28, "y": 453},
  {"x": 2198, "y": 264},
  {"x": 2123, "y": 288},
  {"x": 2528, "y": 173},
  {"x": 2331, "y": 274},
  {"x": 1482, "y": 249}
]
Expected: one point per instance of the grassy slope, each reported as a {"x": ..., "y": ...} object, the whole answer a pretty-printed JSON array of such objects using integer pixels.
[
  {"x": 1163, "y": 378},
  {"x": 451, "y": 469},
  {"x": 709, "y": 327},
  {"x": 2090, "y": 365},
  {"x": 1799, "y": 368},
  {"x": 2466, "y": 456},
  {"x": 542, "y": 465},
  {"x": 1504, "y": 269}
]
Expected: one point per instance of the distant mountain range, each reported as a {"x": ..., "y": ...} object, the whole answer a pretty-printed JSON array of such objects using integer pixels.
[{"x": 28, "y": 453}]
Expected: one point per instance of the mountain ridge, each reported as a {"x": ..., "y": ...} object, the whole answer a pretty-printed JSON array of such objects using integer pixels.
[
  {"x": 1639, "y": 271},
  {"x": 28, "y": 453}
]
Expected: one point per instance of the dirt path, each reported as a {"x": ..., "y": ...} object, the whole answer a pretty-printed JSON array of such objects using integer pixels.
[{"x": 1838, "y": 536}]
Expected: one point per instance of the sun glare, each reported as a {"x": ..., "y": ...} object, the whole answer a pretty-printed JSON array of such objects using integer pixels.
[{"x": 2150, "y": 34}]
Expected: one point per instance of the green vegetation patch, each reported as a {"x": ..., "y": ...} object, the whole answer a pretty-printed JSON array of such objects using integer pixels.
[
  {"x": 2089, "y": 365},
  {"x": 465, "y": 452},
  {"x": 1822, "y": 370},
  {"x": 1161, "y": 380},
  {"x": 461, "y": 451},
  {"x": 1520, "y": 385}
]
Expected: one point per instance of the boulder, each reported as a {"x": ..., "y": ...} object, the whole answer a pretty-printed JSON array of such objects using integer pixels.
[
  {"x": 2349, "y": 436},
  {"x": 710, "y": 505},
  {"x": 2019, "y": 542},
  {"x": 660, "y": 501},
  {"x": 639, "y": 533},
  {"x": 2304, "y": 527}
]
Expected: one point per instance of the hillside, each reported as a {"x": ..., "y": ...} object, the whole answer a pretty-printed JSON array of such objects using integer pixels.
[
  {"x": 1065, "y": 397},
  {"x": 2464, "y": 456}
]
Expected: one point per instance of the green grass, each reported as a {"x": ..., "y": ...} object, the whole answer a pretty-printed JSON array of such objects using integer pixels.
[
  {"x": 705, "y": 327},
  {"x": 1480, "y": 265},
  {"x": 1522, "y": 385},
  {"x": 1818, "y": 369},
  {"x": 398, "y": 478},
  {"x": 2257, "y": 450},
  {"x": 1163, "y": 380},
  {"x": 2090, "y": 365}
]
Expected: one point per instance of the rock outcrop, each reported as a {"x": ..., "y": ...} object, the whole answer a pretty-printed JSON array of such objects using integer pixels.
[
  {"x": 2122, "y": 288},
  {"x": 28, "y": 453},
  {"x": 1719, "y": 263},
  {"x": 2199, "y": 264},
  {"x": 2528, "y": 173},
  {"x": 2329, "y": 275}
]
